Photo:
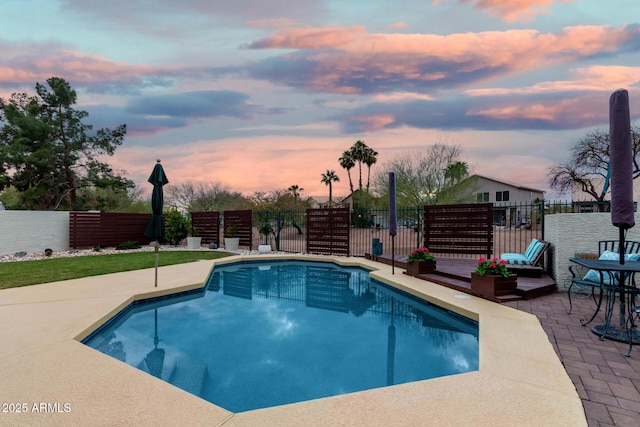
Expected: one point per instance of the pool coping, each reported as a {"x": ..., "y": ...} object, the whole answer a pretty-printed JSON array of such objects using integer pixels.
[{"x": 520, "y": 381}]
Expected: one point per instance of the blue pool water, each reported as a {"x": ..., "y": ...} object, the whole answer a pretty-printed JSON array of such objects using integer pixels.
[{"x": 265, "y": 334}]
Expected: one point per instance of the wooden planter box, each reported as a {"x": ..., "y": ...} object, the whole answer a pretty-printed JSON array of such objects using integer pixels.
[
  {"x": 422, "y": 267},
  {"x": 493, "y": 285}
]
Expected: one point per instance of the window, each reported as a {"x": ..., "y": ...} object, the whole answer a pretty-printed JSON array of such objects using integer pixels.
[
  {"x": 482, "y": 197},
  {"x": 502, "y": 196}
]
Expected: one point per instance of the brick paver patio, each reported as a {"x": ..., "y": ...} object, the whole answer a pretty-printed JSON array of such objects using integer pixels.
[{"x": 607, "y": 381}]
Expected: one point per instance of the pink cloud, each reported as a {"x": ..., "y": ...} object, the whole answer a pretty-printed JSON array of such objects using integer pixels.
[
  {"x": 595, "y": 78},
  {"x": 514, "y": 10},
  {"x": 579, "y": 111},
  {"x": 81, "y": 69},
  {"x": 350, "y": 60},
  {"x": 310, "y": 38}
]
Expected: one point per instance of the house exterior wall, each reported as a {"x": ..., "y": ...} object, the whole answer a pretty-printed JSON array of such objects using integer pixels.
[
  {"x": 33, "y": 231},
  {"x": 516, "y": 194}
]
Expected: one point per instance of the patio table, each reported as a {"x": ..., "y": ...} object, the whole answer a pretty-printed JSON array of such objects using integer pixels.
[{"x": 623, "y": 273}]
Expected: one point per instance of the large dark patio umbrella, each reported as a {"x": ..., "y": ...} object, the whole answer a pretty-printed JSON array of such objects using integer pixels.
[
  {"x": 621, "y": 162},
  {"x": 155, "y": 228}
]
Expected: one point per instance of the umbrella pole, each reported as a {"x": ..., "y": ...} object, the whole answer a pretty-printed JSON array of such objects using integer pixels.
[
  {"x": 393, "y": 255},
  {"x": 622, "y": 251},
  {"x": 156, "y": 250}
]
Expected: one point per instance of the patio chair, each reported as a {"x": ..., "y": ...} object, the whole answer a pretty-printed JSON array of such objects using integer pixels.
[
  {"x": 585, "y": 286},
  {"x": 529, "y": 262}
]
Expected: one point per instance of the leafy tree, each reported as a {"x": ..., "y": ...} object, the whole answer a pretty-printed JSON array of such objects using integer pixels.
[
  {"x": 588, "y": 164},
  {"x": 328, "y": 178},
  {"x": 425, "y": 177},
  {"x": 48, "y": 154},
  {"x": 279, "y": 206}
]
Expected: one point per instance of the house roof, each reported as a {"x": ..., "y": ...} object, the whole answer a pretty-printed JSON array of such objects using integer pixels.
[{"x": 513, "y": 184}]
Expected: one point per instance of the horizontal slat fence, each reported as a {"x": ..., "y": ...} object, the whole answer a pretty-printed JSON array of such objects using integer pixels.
[
  {"x": 90, "y": 229},
  {"x": 459, "y": 229},
  {"x": 242, "y": 220},
  {"x": 207, "y": 226},
  {"x": 328, "y": 231}
]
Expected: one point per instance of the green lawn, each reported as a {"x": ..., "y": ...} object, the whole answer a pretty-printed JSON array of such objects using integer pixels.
[{"x": 24, "y": 273}]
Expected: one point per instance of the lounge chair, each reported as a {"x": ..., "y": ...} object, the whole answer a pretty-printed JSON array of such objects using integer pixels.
[{"x": 529, "y": 262}]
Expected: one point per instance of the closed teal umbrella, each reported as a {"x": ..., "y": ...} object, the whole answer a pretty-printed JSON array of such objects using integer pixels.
[{"x": 155, "y": 228}]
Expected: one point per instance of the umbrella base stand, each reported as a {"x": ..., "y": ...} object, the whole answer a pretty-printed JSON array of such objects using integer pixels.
[{"x": 616, "y": 334}]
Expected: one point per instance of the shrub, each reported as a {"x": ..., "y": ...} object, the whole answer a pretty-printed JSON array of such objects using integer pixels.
[
  {"x": 127, "y": 245},
  {"x": 177, "y": 226},
  {"x": 231, "y": 231},
  {"x": 48, "y": 252}
]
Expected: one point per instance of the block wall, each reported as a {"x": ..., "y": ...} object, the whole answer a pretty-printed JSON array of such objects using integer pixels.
[
  {"x": 578, "y": 233},
  {"x": 33, "y": 231}
]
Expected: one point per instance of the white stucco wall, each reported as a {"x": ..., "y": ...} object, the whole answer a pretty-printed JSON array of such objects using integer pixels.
[
  {"x": 33, "y": 231},
  {"x": 579, "y": 232}
]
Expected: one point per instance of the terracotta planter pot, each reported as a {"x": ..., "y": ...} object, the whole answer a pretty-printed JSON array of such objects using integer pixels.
[
  {"x": 422, "y": 267},
  {"x": 493, "y": 285}
]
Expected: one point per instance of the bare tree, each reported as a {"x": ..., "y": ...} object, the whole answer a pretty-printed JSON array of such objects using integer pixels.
[
  {"x": 587, "y": 168},
  {"x": 213, "y": 197},
  {"x": 423, "y": 177}
]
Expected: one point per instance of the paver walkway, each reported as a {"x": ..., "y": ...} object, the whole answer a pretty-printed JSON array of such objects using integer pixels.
[{"x": 608, "y": 382}]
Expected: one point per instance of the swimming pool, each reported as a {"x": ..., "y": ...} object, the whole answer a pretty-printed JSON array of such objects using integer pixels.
[{"x": 265, "y": 334}]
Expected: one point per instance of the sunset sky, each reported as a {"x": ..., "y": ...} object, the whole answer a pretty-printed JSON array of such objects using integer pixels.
[{"x": 261, "y": 95}]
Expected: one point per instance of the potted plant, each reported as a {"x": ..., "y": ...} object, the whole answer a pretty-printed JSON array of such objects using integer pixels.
[
  {"x": 231, "y": 242},
  {"x": 420, "y": 261},
  {"x": 265, "y": 229},
  {"x": 492, "y": 278}
]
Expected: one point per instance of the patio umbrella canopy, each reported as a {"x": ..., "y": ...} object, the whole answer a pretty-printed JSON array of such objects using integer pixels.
[
  {"x": 621, "y": 155},
  {"x": 155, "y": 228}
]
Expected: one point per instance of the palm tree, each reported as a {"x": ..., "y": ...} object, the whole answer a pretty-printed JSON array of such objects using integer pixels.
[
  {"x": 358, "y": 151},
  {"x": 456, "y": 172},
  {"x": 295, "y": 191},
  {"x": 328, "y": 178},
  {"x": 347, "y": 162},
  {"x": 369, "y": 159}
]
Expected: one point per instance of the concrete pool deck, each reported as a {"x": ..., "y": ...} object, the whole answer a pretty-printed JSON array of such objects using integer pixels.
[{"x": 46, "y": 371}]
